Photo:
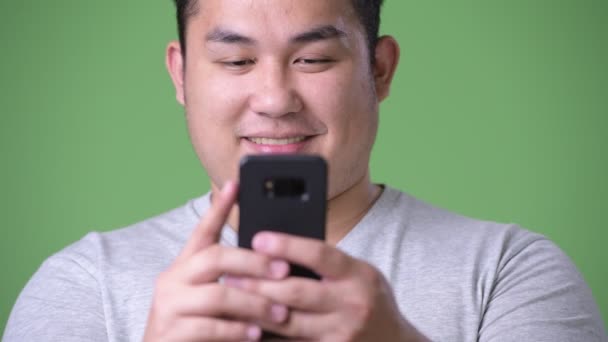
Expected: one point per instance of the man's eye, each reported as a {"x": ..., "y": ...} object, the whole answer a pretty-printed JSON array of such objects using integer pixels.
[
  {"x": 238, "y": 63},
  {"x": 313, "y": 61}
]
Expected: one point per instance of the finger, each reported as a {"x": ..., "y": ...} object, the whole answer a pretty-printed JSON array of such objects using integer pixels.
[
  {"x": 210, "y": 227},
  {"x": 216, "y": 300},
  {"x": 294, "y": 292},
  {"x": 325, "y": 260},
  {"x": 210, "y": 329},
  {"x": 211, "y": 263},
  {"x": 303, "y": 326}
]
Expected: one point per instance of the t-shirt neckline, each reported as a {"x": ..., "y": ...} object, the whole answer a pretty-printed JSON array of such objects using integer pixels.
[{"x": 229, "y": 236}]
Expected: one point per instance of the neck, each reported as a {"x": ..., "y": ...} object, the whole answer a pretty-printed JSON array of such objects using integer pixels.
[{"x": 344, "y": 210}]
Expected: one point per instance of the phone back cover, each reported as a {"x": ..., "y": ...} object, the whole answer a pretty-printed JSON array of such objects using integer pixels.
[{"x": 283, "y": 214}]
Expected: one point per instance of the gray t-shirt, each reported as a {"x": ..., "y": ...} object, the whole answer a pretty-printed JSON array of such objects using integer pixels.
[{"x": 454, "y": 278}]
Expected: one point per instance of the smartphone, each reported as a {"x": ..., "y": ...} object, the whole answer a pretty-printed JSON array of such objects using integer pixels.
[{"x": 283, "y": 193}]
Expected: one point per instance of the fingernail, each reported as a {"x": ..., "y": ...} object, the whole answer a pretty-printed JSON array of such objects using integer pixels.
[
  {"x": 227, "y": 187},
  {"x": 262, "y": 242},
  {"x": 254, "y": 333},
  {"x": 278, "y": 313},
  {"x": 231, "y": 281},
  {"x": 278, "y": 269}
]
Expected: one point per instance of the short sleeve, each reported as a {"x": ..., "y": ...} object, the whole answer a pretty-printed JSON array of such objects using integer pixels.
[
  {"x": 539, "y": 295},
  {"x": 61, "y": 302}
]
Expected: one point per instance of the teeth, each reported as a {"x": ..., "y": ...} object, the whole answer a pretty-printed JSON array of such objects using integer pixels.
[{"x": 270, "y": 141}]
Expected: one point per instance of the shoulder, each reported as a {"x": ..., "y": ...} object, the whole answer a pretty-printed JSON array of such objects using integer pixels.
[
  {"x": 85, "y": 280},
  {"x": 149, "y": 242},
  {"x": 516, "y": 281},
  {"x": 428, "y": 225},
  {"x": 493, "y": 247}
]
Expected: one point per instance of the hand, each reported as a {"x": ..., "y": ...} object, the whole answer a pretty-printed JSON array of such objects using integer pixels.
[
  {"x": 190, "y": 304},
  {"x": 352, "y": 302}
]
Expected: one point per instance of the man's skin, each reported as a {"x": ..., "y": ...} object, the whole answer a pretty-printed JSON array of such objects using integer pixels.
[{"x": 265, "y": 69}]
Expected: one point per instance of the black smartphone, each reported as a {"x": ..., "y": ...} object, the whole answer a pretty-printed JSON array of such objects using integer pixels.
[{"x": 283, "y": 193}]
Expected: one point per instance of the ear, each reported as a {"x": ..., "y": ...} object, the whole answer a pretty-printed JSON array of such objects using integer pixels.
[
  {"x": 174, "y": 61},
  {"x": 387, "y": 59}
]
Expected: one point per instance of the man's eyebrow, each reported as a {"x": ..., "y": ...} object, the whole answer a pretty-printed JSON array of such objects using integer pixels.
[
  {"x": 220, "y": 35},
  {"x": 318, "y": 34}
]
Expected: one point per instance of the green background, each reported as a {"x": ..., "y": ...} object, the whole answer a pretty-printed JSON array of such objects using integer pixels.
[{"x": 499, "y": 111}]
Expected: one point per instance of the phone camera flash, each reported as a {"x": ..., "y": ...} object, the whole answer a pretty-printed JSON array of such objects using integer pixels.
[{"x": 269, "y": 185}]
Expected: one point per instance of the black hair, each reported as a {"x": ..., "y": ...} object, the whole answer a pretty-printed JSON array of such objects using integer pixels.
[{"x": 368, "y": 12}]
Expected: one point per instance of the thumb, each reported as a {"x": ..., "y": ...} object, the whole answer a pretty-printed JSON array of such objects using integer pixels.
[{"x": 209, "y": 229}]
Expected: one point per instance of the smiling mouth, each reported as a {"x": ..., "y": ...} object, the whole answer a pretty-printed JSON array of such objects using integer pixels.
[{"x": 275, "y": 141}]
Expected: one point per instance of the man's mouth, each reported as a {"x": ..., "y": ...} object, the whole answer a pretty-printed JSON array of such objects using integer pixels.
[
  {"x": 278, "y": 145},
  {"x": 275, "y": 141}
]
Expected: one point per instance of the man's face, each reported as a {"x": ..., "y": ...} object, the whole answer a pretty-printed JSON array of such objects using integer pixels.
[{"x": 279, "y": 76}]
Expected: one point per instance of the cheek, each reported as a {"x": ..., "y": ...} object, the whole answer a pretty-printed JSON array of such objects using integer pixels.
[
  {"x": 210, "y": 98},
  {"x": 214, "y": 103},
  {"x": 213, "y": 106},
  {"x": 344, "y": 102}
]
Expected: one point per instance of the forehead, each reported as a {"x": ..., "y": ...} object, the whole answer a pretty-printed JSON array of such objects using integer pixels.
[{"x": 273, "y": 18}]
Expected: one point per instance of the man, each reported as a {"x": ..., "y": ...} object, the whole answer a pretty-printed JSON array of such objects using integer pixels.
[{"x": 292, "y": 76}]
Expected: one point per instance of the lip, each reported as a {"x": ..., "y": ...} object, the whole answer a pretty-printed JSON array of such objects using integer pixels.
[{"x": 292, "y": 148}]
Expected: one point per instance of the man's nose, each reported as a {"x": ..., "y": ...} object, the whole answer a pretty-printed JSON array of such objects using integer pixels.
[{"x": 274, "y": 94}]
